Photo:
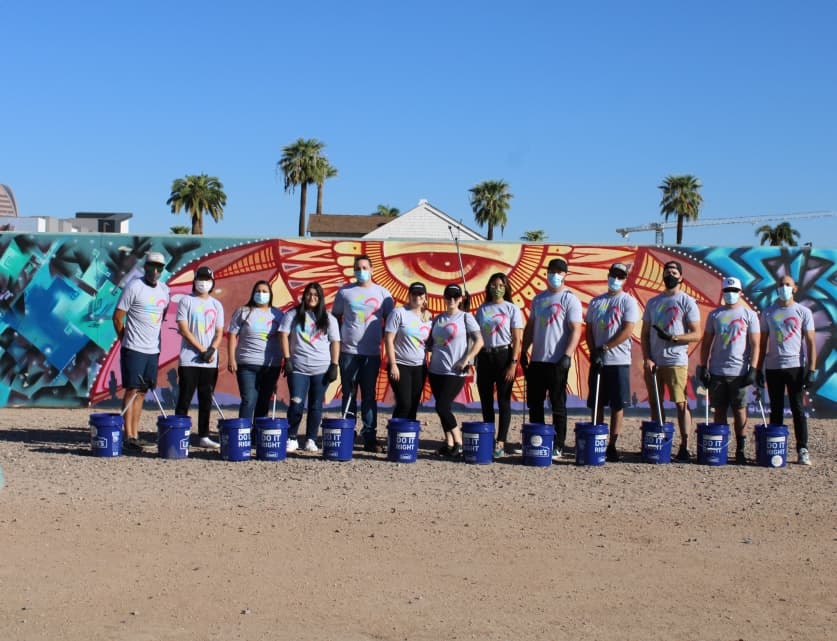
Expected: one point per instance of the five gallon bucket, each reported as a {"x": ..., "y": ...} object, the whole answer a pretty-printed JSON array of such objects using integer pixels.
[
  {"x": 771, "y": 445},
  {"x": 235, "y": 438},
  {"x": 271, "y": 438},
  {"x": 590, "y": 443},
  {"x": 338, "y": 438},
  {"x": 173, "y": 436},
  {"x": 478, "y": 443},
  {"x": 403, "y": 440},
  {"x": 656, "y": 442},
  {"x": 713, "y": 443},
  {"x": 537, "y": 444},
  {"x": 106, "y": 434}
]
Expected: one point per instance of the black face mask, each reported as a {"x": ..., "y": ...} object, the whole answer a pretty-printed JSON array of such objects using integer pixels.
[{"x": 670, "y": 281}]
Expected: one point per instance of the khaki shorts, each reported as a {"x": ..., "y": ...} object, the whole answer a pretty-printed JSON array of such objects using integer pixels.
[{"x": 673, "y": 377}]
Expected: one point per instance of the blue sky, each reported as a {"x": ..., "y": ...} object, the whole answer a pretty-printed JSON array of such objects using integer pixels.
[{"x": 583, "y": 110}]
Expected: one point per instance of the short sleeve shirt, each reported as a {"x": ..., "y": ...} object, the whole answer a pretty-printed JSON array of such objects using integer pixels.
[
  {"x": 670, "y": 313},
  {"x": 258, "y": 336},
  {"x": 785, "y": 327},
  {"x": 203, "y": 316},
  {"x": 410, "y": 336},
  {"x": 497, "y": 320},
  {"x": 449, "y": 341},
  {"x": 606, "y": 315},
  {"x": 552, "y": 315},
  {"x": 731, "y": 328},
  {"x": 310, "y": 346},
  {"x": 363, "y": 310},
  {"x": 144, "y": 308}
]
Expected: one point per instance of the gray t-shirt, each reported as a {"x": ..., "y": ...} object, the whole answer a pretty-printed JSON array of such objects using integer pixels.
[
  {"x": 144, "y": 308},
  {"x": 449, "y": 341},
  {"x": 670, "y": 313},
  {"x": 551, "y": 317},
  {"x": 606, "y": 315},
  {"x": 410, "y": 336},
  {"x": 729, "y": 329},
  {"x": 310, "y": 346},
  {"x": 363, "y": 310},
  {"x": 204, "y": 316},
  {"x": 258, "y": 336},
  {"x": 785, "y": 327},
  {"x": 497, "y": 320}
]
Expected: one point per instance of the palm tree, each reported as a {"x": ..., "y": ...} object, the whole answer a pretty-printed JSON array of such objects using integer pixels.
[
  {"x": 490, "y": 203},
  {"x": 681, "y": 197},
  {"x": 198, "y": 195},
  {"x": 386, "y": 210},
  {"x": 534, "y": 236},
  {"x": 299, "y": 164},
  {"x": 324, "y": 170},
  {"x": 179, "y": 229},
  {"x": 782, "y": 235}
]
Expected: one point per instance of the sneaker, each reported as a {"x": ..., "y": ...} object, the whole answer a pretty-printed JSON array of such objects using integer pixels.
[
  {"x": 612, "y": 455},
  {"x": 804, "y": 457},
  {"x": 499, "y": 452},
  {"x": 740, "y": 459},
  {"x": 557, "y": 454},
  {"x": 311, "y": 446},
  {"x": 208, "y": 443},
  {"x": 292, "y": 446},
  {"x": 683, "y": 455},
  {"x": 444, "y": 450},
  {"x": 456, "y": 450},
  {"x": 133, "y": 445},
  {"x": 374, "y": 447}
]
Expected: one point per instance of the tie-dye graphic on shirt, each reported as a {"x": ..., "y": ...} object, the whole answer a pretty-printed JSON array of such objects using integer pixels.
[
  {"x": 786, "y": 327},
  {"x": 547, "y": 312},
  {"x": 729, "y": 329},
  {"x": 310, "y": 333},
  {"x": 607, "y": 317}
]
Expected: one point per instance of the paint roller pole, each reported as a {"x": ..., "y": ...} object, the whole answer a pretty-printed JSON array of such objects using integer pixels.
[
  {"x": 467, "y": 296},
  {"x": 218, "y": 407},
  {"x": 657, "y": 397},
  {"x": 596, "y": 401},
  {"x": 129, "y": 403},
  {"x": 156, "y": 398}
]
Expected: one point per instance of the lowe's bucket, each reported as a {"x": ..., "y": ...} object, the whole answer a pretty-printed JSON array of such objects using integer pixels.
[
  {"x": 235, "y": 438},
  {"x": 338, "y": 438},
  {"x": 590, "y": 443},
  {"x": 656, "y": 442},
  {"x": 478, "y": 443},
  {"x": 537, "y": 444},
  {"x": 771, "y": 445},
  {"x": 106, "y": 434},
  {"x": 271, "y": 438},
  {"x": 713, "y": 443},
  {"x": 173, "y": 436},
  {"x": 403, "y": 440}
]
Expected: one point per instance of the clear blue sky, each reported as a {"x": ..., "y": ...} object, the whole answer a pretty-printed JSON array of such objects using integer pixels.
[{"x": 581, "y": 109}]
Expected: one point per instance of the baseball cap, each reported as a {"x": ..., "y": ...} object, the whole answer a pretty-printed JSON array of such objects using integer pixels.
[
  {"x": 204, "y": 273},
  {"x": 675, "y": 264},
  {"x": 453, "y": 291},
  {"x": 156, "y": 258},
  {"x": 418, "y": 288},
  {"x": 731, "y": 283},
  {"x": 619, "y": 267},
  {"x": 557, "y": 265}
]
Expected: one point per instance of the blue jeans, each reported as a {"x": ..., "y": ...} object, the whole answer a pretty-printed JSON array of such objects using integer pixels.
[
  {"x": 300, "y": 386},
  {"x": 358, "y": 371},
  {"x": 256, "y": 384}
]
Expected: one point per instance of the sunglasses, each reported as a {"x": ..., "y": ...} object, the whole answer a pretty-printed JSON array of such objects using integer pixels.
[{"x": 156, "y": 268}]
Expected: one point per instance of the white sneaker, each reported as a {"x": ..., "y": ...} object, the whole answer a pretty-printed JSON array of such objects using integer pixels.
[
  {"x": 293, "y": 445},
  {"x": 209, "y": 443},
  {"x": 556, "y": 454},
  {"x": 804, "y": 457},
  {"x": 311, "y": 446}
]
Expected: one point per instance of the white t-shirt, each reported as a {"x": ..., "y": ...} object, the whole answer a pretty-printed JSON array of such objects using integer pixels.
[
  {"x": 449, "y": 340},
  {"x": 729, "y": 329},
  {"x": 204, "y": 316},
  {"x": 258, "y": 336},
  {"x": 144, "y": 308},
  {"x": 310, "y": 346},
  {"x": 552, "y": 315},
  {"x": 670, "y": 313},
  {"x": 497, "y": 320},
  {"x": 606, "y": 314},
  {"x": 785, "y": 327},
  {"x": 410, "y": 336}
]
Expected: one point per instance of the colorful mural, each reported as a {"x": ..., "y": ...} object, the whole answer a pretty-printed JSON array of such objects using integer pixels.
[{"x": 58, "y": 292}]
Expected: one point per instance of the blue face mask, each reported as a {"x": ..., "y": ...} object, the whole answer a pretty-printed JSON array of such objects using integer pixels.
[
  {"x": 555, "y": 280},
  {"x": 731, "y": 298},
  {"x": 261, "y": 298},
  {"x": 785, "y": 292},
  {"x": 363, "y": 276},
  {"x": 614, "y": 284}
]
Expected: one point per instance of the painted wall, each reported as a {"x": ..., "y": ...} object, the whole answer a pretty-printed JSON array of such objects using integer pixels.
[{"x": 58, "y": 292}]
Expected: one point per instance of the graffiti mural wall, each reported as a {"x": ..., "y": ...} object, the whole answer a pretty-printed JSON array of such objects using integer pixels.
[{"x": 58, "y": 347}]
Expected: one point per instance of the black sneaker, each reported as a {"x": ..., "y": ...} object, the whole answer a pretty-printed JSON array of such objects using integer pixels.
[
  {"x": 444, "y": 450},
  {"x": 740, "y": 459},
  {"x": 683, "y": 455},
  {"x": 612, "y": 455},
  {"x": 374, "y": 447},
  {"x": 134, "y": 446},
  {"x": 456, "y": 451}
]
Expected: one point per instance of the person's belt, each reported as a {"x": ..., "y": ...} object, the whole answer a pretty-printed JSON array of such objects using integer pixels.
[{"x": 496, "y": 350}]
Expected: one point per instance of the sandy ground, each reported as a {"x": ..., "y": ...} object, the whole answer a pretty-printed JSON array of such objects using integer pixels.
[{"x": 140, "y": 548}]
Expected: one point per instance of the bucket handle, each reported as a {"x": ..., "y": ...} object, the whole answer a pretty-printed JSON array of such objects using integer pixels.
[
  {"x": 596, "y": 402},
  {"x": 657, "y": 395}
]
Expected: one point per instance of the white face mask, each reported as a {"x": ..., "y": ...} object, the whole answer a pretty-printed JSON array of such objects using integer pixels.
[
  {"x": 731, "y": 298},
  {"x": 555, "y": 280},
  {"x": 614, "y": 284},
  {"x": 203, "y": 286},
  {"x": 363, "y": 276},
  {"x": 785, "y": 292},
  {"x": 261, "y": 298}
]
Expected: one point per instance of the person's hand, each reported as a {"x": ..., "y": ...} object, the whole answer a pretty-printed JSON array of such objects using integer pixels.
[
  {"x": 650, "y": 366},
  {"x": 208, "y": 355},
  {"x": 810, "y": 378},
  {"x": 232, "y": 366},
  {"x": 331, "y": 373},
  {"x": 663, "y": 334},
  {"x": 462, "y": 365},
  {"x": 760, "y": 378},
  {"x": 750, "y": 376},
  {"x": 288, "y": 367},
  {"x": 524, "y": 362},
  {"x": 703, "y": 375},
  {"x": 394, "y": 372},
  {"x": 564, "y": 362},
  {"x": 597, "y": 359}
]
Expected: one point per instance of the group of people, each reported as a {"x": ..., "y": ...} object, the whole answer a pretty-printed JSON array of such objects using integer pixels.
[{"x": 310, "y": 346}]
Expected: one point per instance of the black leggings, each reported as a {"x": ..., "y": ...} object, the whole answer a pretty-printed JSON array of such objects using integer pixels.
[
  {"x": 203, "y": 380},
  {"x": 491, "y": 373},
  {"x": 543, "y": 379},
  {"x": 777, "y": 380},
  {"x": 407, "y": 390},
  {"x": 445, "y": 388}
]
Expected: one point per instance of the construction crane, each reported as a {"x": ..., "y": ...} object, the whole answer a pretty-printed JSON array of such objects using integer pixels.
[{"x": 658, "y": 228}]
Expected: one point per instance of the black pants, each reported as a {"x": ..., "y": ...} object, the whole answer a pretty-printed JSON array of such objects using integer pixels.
[
  {"x": 544, "y": 379},
  {"x": 790, "y": 378},
  {"x": 445, "y": 388},
  {"x": 491, "y": 374},
  {"x": 407, "y": 390},
  {"x": 203, "y": 380}
]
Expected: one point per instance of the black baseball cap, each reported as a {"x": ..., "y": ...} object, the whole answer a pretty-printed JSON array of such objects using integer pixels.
[
  {"x": 675, "y": 264},
  {"x": 557, "y": 265},
  {"x": 204, "y": 273},
  {"x": 453, "y": 291},
  {"x": 418, "y": 288},
  {"x": 618, "y": 269}
]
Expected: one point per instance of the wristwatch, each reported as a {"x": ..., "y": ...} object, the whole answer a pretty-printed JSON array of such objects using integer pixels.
[{"x": 605, "y": 348}]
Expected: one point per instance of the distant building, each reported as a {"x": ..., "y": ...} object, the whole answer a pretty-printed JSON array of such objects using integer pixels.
[
  {"x": 8, "y": 204},
  {"x": 87, "y": 222}
]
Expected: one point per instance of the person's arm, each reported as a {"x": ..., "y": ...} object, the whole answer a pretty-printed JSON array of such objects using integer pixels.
[
  {"x": 476, "y": 345},
  {"x": 755, "y": 346},
  {"x": 811, "y": 349},
  {"x": 334, "y": 346},
  {"x": 528, "y": 332},
  {"x": 575, "y": 338},
  {"x": 389, "y": 348},
  {"x": 232, "y": 342},
  {"x": 692, "y": 334},
  {"x": 588, "y": 338},
  {"x": 517, "y": 339},
  {"x": 188, "y": 336},
  {"x": 706, "y": 344},
  {"x": 119, "y": 322},
  {"x": 285, "y": 344},
  {"x": 645, "y": 343}
]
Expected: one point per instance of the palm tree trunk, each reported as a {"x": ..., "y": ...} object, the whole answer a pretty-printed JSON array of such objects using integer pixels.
[
  {"x": 679, "y": 229},
  {"x": 303, "y": 195},
  {"x": 197, "y": 225},
  {"x": 320, "y": 198},
  {"x": 490, "y": 234}
]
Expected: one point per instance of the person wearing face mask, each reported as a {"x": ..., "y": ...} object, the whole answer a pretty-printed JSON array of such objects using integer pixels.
[
  {"x": 200, "y": 321},
  {"x": 789, "y": 356},
  {"x": 361, "y": 308},
  {"x": 138, "y": 320},
  {"x": 254, "y": 354},
  {"x": 501, "y": 325},
  {"x": 553, "y": 331},
  {"x": 730, "y": 346},
  {"x": 671, "y": 321},
  {"x": 609, "y": 326}
]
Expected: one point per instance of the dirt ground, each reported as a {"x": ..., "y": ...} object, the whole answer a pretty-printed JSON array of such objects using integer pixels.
[{"x": 146, "y": 549}]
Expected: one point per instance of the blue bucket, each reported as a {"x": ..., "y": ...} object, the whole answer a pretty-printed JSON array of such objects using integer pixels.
[
  {"x": 771, "y": 445},
  {"x": 173, "y": 436},
  {"x": 106, "y": 434},
  {"x": 713, "y": 443},
  {"x": 590, "y": 444},
  {"x": 403, "y": 440},
  {"x": 271, "y": 438},
  {"x": 478, "y": 443},
  {"x": 338, "y": 438},
  {"x": 537, "y": 444},
  {"x": 656, "y": 442},
  {"x": 235, "y": 438}
]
